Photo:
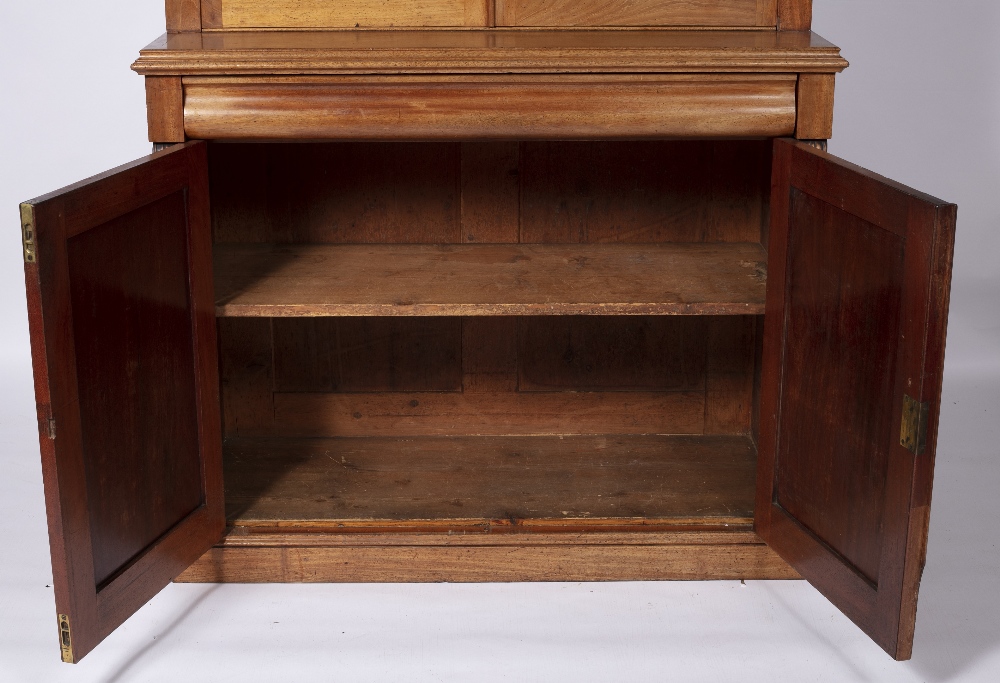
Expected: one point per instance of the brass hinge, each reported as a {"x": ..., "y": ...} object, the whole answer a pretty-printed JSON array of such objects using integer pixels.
[
  {"x": 52, "y": 429},
  {"x": 65, "y": 639},
  {"x": 28, "y": 232},
  {"x": 913, "y": 427}
]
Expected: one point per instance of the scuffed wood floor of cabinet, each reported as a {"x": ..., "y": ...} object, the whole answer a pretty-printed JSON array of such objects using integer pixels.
[{"x": 575, "y": 508}]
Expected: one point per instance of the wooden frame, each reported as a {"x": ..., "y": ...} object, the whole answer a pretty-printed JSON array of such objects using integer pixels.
[{"x": 165, "y": 109}]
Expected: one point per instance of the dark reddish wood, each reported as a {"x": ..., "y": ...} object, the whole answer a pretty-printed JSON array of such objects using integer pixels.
[
  {"x": 677, "y": 191},
  {"x": 123, "y": 337},
  {"x": 859, "y": 270}
]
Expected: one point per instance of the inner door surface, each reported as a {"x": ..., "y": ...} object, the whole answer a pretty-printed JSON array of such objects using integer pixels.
[
  {"x": 859, "y": 272},
  {"x": 120, "y": 303}
]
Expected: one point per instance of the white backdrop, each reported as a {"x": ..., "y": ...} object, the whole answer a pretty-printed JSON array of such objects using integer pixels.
[{"x": 919, "y": 104}]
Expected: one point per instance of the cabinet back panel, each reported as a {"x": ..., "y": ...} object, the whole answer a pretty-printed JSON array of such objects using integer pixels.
[
  {"x": 491, "y": 192},
  {"x": 397, "y": 193},
  {"x": 501, "y": 376},
  {"x": 677, "y": 191}
]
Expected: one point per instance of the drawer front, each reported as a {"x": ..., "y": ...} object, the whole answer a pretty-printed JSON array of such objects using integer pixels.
[
  {"x": 421, "y": 108},
  {"x": 311, "y": 14},
  {"x": 636, "y": 13}
]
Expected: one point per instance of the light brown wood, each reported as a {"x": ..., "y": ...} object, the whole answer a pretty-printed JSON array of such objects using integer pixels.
[
  {"x": 479, "y": 564},
  {"x": 815, "y": 107},
  {"x": 318, "y": 14},
  {"x": 756, "y": 13},
  {"x": 165, "y": 108},
  {"x": 572, "y": 479},
  {"x": 523, "y": 279},
  {"x": 794, "y": 15},
  {"x": 211, "y": 14},
  {"x": 496, "y": 108},
  {"x": 453, "y": 413},
  {"x": 264, "y": 53},
  {"x": 183, "y": 15},
  {"x": 495, "y": 532}
]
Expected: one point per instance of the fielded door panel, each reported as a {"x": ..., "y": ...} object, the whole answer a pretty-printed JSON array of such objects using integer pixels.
[
  {"x": 121, "y": 313},
  {"x": 859, "y": 271}
]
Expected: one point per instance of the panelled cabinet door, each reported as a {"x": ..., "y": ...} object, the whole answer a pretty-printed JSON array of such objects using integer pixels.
[
  {"x": 859, "y": 271},
  {"x": 120, "y": 307}
]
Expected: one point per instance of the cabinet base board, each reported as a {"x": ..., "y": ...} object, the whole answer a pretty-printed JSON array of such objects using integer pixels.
[{"x": 300, "y": 558}]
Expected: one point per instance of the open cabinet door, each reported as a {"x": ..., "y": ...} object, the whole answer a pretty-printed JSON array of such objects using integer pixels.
[
  {"x": 859, "y": 271},
  {"x": 120, "y": 307}
]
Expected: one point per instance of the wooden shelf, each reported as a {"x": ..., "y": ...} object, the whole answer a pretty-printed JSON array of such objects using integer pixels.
[
  {"x": 469, "y": 280},
  {"x": 537, "y": 482}
]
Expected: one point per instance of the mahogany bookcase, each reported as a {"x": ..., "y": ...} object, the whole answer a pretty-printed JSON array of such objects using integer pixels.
[{"x": 476, "y": 290}]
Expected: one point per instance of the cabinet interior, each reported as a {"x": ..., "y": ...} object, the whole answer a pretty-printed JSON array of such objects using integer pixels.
[{"x": 548, "y": 335}]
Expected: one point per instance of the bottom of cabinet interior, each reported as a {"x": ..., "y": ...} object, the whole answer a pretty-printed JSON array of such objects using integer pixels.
[{"x": 474, "y": 508}]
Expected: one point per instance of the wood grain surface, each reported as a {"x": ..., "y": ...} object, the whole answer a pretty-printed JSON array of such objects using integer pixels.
[
  {"x": 490, "y": 107},
  {"x": 239, "y": 53},
  {"x": 627, "y": 562},
  {"x": 519, "y": 413},
  {"x": 126, "y": 381},
  {"x": 320, "y": 14},
  {"x": 636, "y": 13},
  {"x": 165, "y": 108},
  {"x": 641, "y": 479},
  {"x": 860, "y": 272},
  {"x": 551, "y": 279}
]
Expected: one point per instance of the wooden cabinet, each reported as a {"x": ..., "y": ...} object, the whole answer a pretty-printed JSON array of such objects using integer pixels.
[{"x": 500, "y": 303}]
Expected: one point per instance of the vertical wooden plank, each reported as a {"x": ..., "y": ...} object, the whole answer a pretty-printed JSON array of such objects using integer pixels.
[
  {"x": 489, "y": 354},
  {"x": 183, "y": 15},
  {"x": 503, "y": 13},
  {"x": 729, "y": 374},
  {"x": 815, "y": 107},
  {"x": 165, "y": 108},
  {"x": 478, "y": 12},
  {"x": 211, "y": 14},
  {"x": 246, "y": 367},
  {"x": 794, "y": 15},
  {"x": 490, "y": 192},
  {"x": 767, "y": 12}
]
